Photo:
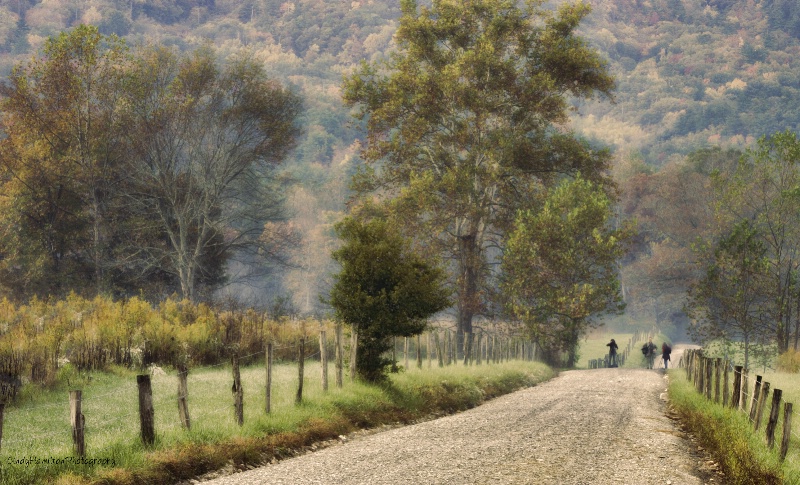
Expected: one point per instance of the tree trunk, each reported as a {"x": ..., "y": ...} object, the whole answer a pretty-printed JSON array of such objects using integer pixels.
[
  {"x": 468, "y": 302},
  {"x": 572, "y": 352},
  {"x": 797, "y": 324}
]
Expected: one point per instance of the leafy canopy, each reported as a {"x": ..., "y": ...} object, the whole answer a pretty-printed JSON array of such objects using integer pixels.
[
  {"x": 560, "y": 266},
  {"x": 383, "y": 289},
  {"x": 468, "y": 117}
]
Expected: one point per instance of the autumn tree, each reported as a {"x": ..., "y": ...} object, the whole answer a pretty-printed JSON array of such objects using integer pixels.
[
  {"x": 560, "y": 266},
  {"x": 59, "y": 164},
  {"x": 204, "y": 141},
  {"x": 467, "y": 117},
  {"x": 384, "y": 290}
]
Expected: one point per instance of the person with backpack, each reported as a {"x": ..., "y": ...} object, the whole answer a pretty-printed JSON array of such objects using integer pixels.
[
  {"x": 612, "y": 353},
  {"x": 649, "y": 351},
  {"x": 665, "y": 351}
]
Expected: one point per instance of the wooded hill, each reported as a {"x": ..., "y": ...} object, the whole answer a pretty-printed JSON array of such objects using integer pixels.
[{"x": 690, "y": 74}]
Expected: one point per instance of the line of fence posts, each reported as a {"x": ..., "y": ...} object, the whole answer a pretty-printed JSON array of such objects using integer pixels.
[
  {"x": 488, "y": 348},
  {"x": 699, "y": 371},
  {"x": 479, "y": 348}
]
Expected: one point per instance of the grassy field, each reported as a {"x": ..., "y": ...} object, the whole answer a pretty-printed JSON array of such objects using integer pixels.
[{"x": 36, "y": 441}]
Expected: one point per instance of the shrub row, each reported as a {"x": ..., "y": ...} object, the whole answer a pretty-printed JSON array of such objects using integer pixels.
[{"x": 91, "y": 334}]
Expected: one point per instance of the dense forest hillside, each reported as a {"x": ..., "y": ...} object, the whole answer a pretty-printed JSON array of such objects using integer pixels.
[
  {"x": 695, "y": 74},
  {"x": 690, "y": 74}
]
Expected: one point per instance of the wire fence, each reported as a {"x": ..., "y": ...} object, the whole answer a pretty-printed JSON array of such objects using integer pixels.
[
  {"x": 734, "y": 386},
  {"x": 108, "y": 412}
]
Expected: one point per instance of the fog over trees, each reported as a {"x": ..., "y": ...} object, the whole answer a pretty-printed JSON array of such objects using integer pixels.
[{"x": 208, "y": 149}]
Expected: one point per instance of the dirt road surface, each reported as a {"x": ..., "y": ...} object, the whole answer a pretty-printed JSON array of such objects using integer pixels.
[{"x": 602, "y": 426}]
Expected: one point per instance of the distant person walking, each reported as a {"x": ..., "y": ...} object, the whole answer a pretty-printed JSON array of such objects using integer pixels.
[
  {"x": 612, "y": 353},
  {"x": 665, "y": 351},
  {"x": 649, "y": 351}
]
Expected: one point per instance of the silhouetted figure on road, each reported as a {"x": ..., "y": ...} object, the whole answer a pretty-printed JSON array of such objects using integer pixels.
[
  {"x": 649, "y": 351},
  {"x": 612, "y": 353}
]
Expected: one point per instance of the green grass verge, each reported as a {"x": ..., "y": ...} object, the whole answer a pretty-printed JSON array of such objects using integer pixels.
[
  {"x": 743, "y": 455},
  {"x": 36, "y": 444}
]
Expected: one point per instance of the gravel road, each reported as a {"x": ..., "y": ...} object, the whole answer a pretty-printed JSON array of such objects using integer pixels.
[{"x": 583, "y": 427}]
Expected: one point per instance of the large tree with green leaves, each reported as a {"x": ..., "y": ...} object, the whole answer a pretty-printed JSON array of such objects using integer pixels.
[
  {"x": 383, "y": 290},
  {"x": 467, "y": 117},
  {"x": 560, "y": 266}
]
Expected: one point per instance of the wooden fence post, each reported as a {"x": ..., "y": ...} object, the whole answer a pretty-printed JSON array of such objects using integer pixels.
[
  {"x": 699, "y": 372},
  {"x": 268, "y": 392},
  {"x": 754, "y": 401},
  {"x": 77, "y": 420},
  {"x": 428, "y": 351},
  {"x": 787, "y": 429},
  {"x": 439, "y": 353},
  {"x": 419, "y": 351},
  {"x": 717, "y": 375},
  {"x": 405, "y": 352},
  {"x": 772, "y": 423},
  {"x": 146, "y": 411},
  {"x": 737, "y": 386},
  {"x": 238, "y": 392},
  {"x": 709, "y": 383},
  {"x": 301, "y": 361},
  {"x": 323, "y": 359},
  {"x": 448, "y": 347},
  {"x": 183, "y": 393},
  {"x": 761, "y": 402},
  {"x": 725, "y": 384},
  {"x": 339, "y": 355},
  {"x": 743, "y": 389}
]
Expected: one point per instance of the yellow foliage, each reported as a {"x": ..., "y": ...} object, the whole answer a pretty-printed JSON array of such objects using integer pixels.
[
  {"x": 93, "y": 333},
  {"x": 789, "y": 361}
]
